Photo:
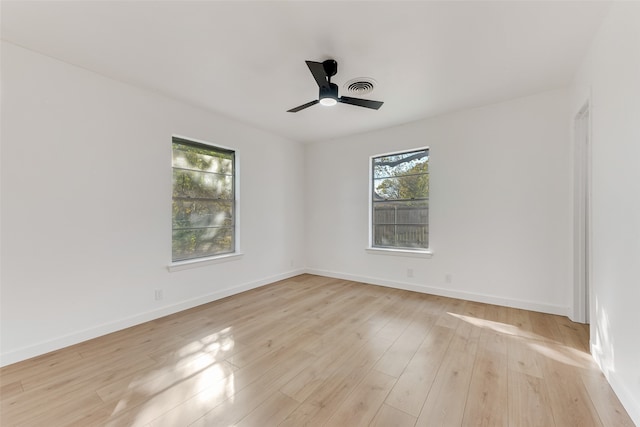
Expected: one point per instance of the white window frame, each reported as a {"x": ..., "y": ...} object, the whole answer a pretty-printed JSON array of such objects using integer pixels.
[
  {"x": 214, "y": 259},
  {"x": 404, "y": 252}
]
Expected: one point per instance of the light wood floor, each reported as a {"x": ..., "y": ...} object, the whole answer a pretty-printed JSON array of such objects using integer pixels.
[{"x": 317, "y": 351}]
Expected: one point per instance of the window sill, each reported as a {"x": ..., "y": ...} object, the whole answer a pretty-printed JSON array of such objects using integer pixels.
[
  {"x": 400, "y": 252},
  {"x": 203, "y": 262}
]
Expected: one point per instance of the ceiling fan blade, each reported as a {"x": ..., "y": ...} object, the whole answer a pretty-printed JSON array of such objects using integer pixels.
[
  {"x": 303, "y": 106},
  {"x": 319, "y": 73},
  {"x": 361, "y": 102}
]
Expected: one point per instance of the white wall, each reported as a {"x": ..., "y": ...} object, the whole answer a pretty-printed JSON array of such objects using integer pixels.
[
  {"x": 500, "y": 205},
  {"x": 86, "y": 205},
  {"x": 610, "y": 77}
]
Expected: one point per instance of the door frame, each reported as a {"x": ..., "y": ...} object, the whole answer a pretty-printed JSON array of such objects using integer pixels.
[{"x": 582, "y": 213}]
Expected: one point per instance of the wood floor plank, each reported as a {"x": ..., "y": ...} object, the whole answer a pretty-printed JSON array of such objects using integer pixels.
[
  {"x": 183, "y": 377},
  {"x": 388, "y": 416},
  {"x": 71, "y": 392},
  {"x": 277, "y": 337},
  {"x": 69, "y": 409},
  {"x": 569, "y": 400},
  {"x": 314, "y": 350},
  {"x": 522, "y": 358},
  {"x": 451, "y": 308},
  {"x": 144, "y": 402},
  {"x": 529, "y": 402},
  {"x": 41, "y": 367},
  {"x": 412, "y": 388},
  {"x": 494, "y": 341},
  {"x": 447, "y": 397},
  {"x": 271, "y": 412},
  {"x": 10, "y": 390},
  {"x": 357, "y": 324},
  {"x": 230, "y": 398},
  {"x": 320, "y": 406},
  {"x": 364, "y": 401},
  {"x": 521, "y": 319},
  {"x": 475, "y": 309},
  {"x": 394, "y": 361},
  {"x": 575, "y": 335},
  {"x": 190, "y": 407},
  {"x": 496, "y": 313},
  {"x": 309, "y": 379},
  {"x": 488, "y": 392},
  {"x": 545, "y": 326},
  {"x": 242, "y": 403}
]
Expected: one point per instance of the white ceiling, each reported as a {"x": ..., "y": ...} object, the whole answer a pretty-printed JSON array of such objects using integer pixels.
[{"x": 245, "y": 60}]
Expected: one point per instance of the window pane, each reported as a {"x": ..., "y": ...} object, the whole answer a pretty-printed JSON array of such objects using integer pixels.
[
  {"x": 402, "y": 187},
  {"x": 411, "y": 212},
  {"x": 187, "y": 157},
  {"x": 400, "y": 200},
  {"x": 188, "y": 183},
  {"x": 203, "y": 209},
  {"x": 400, "y": 164},
  {"x": 188, "y": 244},
  {"x": 401, "y": 236},
  {"x": 202, "y": 213}
]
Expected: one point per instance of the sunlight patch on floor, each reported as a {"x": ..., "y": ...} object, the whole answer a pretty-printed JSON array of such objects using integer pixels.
[
  {"x": 556, "y": 351},
  {"x": 563, "y": 354},
  {"x": 499, "y": 327},
  {"x": 196, "y": 370}
]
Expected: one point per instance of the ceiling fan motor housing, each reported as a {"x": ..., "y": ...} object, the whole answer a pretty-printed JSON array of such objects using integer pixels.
[
  {"x": 330, "y": 67},
  {"x": 329, "y": 92}
]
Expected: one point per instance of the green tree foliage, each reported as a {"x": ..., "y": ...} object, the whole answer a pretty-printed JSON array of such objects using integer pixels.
[{"x": 402, "y": 178}]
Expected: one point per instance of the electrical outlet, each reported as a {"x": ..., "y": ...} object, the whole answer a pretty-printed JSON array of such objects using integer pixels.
[
  {"x": 159, "y": 295},
  {"x": 409, "y": 272},
  {"x": 448, "y": 278}
]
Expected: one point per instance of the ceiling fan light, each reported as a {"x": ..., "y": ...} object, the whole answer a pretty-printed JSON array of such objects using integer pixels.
[{"x": 328, "y": 102}]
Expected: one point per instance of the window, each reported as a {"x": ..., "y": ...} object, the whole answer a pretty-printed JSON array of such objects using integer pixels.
[
  {"x": 203, "y": 220},
  {"x": 400, "y": 200}
]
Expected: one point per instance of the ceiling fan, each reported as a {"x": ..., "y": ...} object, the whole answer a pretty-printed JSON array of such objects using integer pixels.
[{"x": 322, "y": 72}]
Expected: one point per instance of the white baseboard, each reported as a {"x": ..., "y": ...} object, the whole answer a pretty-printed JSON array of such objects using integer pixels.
[
  {"x": 468, "y": 296},
  {"x": 58, "y": 343}
]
